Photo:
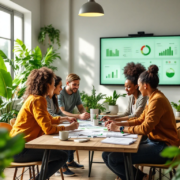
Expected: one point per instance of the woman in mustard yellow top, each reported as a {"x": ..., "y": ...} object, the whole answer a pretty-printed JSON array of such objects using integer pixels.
[
  {"x": 157, "y": 122},
  {"x": 34, "y": 120}
]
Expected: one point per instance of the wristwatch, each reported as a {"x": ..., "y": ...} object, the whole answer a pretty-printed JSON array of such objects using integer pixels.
[{"x": 121, "y": 129}]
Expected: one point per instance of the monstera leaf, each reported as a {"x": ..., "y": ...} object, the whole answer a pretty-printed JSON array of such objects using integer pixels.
[{"x": 5, "y": 81}]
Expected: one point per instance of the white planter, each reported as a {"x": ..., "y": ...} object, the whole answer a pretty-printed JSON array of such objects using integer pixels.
[
  {"x": 95, "y": 122},
  {"x": 113, "y": 109},
  {"x": 93, "y": 112},
  {"x": 177, "y": 114}
]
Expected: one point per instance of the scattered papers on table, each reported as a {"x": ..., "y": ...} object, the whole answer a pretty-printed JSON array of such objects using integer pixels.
[
  {"x": 122, "y": 141},
  {"x": 118, "y": 134},
  {"x": 94, "y": 128},
  {"x": 76, "y": 134}
]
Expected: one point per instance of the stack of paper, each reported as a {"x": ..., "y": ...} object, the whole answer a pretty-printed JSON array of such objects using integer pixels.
[
  {"x": 122, "y": 141},
  {"x": 118, "y": 135}
]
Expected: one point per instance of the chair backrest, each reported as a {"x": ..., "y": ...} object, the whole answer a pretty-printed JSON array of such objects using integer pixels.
[
  {"x": 5, "y": 125},
  {"x": 12, "y": 122}
]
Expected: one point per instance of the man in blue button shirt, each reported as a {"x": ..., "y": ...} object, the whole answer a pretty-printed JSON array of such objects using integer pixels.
[{"x": 70, "y": 97}]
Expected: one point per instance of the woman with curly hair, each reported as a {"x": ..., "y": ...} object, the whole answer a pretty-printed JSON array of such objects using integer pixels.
[
  {"x": 34, "y": 120},
  {"x": 136, "y": 102},
  {"x": 53, "y": 109},
  {"x": 157, "y": 122}
]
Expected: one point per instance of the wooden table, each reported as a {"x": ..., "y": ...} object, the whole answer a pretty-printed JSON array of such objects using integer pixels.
[{"x": 47, "y": 142}]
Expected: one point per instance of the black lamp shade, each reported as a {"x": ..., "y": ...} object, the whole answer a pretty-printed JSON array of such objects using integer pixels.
[{"x": 91, "y": 9}]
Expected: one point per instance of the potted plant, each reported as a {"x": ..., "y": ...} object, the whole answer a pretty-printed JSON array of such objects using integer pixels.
[
  {"x": 91, "y": 102},
  {"x": 95, "y": 120},
  {"x": 111, "y": 100},
  {"x": 177, "y": 107},
  {"x": 8, "y": 94},
  {"x": 25, "y": 61},
  {"x": 53, "y": 35}
]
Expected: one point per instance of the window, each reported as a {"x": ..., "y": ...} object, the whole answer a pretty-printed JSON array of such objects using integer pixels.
[{"x": 11, "y": 28}]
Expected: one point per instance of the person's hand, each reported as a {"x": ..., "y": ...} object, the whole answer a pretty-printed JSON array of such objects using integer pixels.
[
  {"x": 84, "y": 116},
  {"x": 105, "y": 118},
  {"x": 71, "y": 119},
  {"x": 72, "y": 126},
  {"x": 112, "y": 127},
  {"x": 108, "y": 122}
]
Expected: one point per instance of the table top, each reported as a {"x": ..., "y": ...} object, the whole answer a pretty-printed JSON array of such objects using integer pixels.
[
  {"x": 48, "y": 142},
  {"x": 176, "y": 118}
]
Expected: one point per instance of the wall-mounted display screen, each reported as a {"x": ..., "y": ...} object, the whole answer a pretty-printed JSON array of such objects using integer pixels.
[{"x": 116, "y": 52}]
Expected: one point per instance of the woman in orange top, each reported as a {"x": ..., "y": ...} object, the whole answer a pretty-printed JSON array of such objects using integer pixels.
[
  {"x": 34, "y": 120},
  {"x": 157, "y": 122}
]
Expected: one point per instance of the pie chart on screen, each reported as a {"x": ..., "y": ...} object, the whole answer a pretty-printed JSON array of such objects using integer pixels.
[
  {"x": 145, "y": 50},
  {"x": 170, "y": 72}
]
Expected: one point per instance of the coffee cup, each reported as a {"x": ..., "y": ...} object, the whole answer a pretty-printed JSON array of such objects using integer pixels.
[{"x": 63, "y": 135}]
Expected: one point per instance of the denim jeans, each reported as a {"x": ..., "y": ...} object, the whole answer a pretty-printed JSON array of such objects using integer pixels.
[
  {"x": 57, "y": 159},
  {"x": 149, "y": 152},
  {"x": 70, "y": 156}
]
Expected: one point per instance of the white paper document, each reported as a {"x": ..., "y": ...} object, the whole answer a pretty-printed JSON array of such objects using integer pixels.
[
  {"x": 75, "y": 134},
  {"x": 122, "y": 141},
  {"x": 118, "y": 135}
]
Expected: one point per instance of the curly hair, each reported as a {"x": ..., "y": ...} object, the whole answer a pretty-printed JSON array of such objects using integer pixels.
[
  {"x": 150, "y": 76},
  {"x": 132, "y": 71},
  {"x": 37, "y": 82}
]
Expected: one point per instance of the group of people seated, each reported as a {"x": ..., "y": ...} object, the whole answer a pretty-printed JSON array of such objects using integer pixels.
[{"x": 47, "y": 104}]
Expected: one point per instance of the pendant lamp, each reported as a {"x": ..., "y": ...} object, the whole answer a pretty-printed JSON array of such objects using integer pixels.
[{"x": 91, "y": 9}]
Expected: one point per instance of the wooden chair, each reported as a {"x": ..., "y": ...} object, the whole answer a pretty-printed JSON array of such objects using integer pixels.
[
  {"x": 15, "y": 165},
  {"x": 160, "y": 166}
]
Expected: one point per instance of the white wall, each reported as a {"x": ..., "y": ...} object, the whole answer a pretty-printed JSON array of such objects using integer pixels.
[{"x": 56, "y": 12}]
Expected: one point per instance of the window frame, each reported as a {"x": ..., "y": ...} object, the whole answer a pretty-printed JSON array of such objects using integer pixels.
[{"x": 12, "y": 13}]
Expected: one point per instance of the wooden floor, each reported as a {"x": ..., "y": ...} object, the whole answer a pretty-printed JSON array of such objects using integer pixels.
[{"x": 99, "y": 171}]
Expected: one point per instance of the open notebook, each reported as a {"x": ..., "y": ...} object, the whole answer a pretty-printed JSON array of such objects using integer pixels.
[{"x": 122, "y": 141}]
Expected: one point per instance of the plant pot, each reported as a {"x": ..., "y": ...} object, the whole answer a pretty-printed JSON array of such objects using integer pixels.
[
  {"x": 113, "y": 109},
  {"x": 95, "y": 122},
  {"x": 177, "y": 114},
  {"x": 93, "y": 112}
]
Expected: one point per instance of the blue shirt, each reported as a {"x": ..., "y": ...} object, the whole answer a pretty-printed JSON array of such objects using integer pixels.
[{"x": 69, "y": 101}]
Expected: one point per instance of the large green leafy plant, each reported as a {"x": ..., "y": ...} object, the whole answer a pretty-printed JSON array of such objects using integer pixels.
[
  {"x": 8, "y": 148},
  {"x": 112, "y": 99},
  {"x": 92, "y": 101},
  {"x": 27, "y": 60},
  {"x": 51, "y": 32},
  {"x": 8, "y": 93},
  {"x": 173, "y": 152},
  {"x": 176, "y": 106}
]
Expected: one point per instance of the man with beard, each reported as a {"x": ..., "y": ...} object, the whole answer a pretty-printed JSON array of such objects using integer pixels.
[{"x": 70, "y": 97}]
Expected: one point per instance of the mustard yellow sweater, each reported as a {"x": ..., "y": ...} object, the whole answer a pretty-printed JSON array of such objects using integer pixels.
[
  {"x": 157, "y": 121},
  {"x": 34, "y": 120}
]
